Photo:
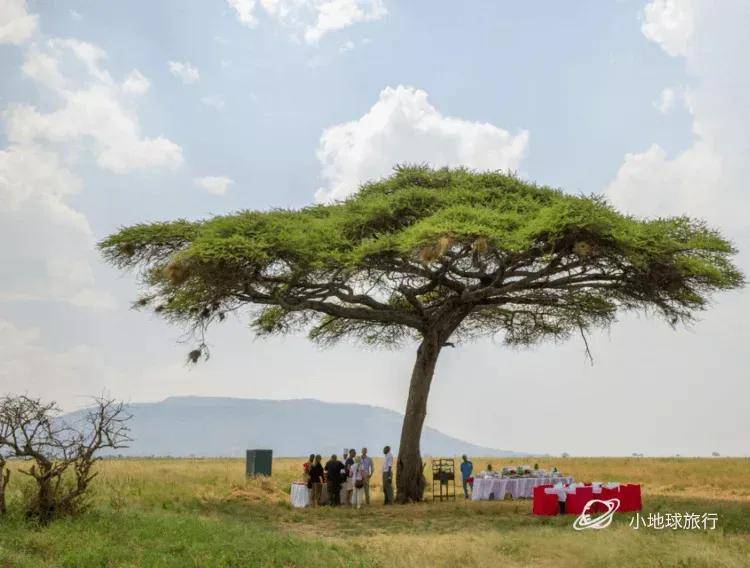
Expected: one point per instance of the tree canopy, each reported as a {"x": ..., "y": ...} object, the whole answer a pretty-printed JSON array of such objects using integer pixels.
[
  {"x": 434, "y": 255},
  {"x": 484, "y": 252}
]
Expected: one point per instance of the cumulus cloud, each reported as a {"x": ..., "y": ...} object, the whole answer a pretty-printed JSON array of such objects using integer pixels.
[
  {"x": 650, "y": 183},
  {"x": 339, "y": 14},
  {"x": 93, "y": 114},
  {"x": 135, "y": 83},
  {"x": 666, "y": 100},
  {"x": 16, "y": 24},
  {"x": 245, "y": 11},
  {"x": 215, "y": 185},
  {"x": 44, "y": 69},
  {"x": 185, "y": 71},
  {"x": 403, "y": 127},
  {"x": 708, "y": 179},
  {"x": 52, "y": 241},
  {"x": 310, "y": 20},
  {"x": 87, "y": 112},
  {"x": 670, "y": 23}
]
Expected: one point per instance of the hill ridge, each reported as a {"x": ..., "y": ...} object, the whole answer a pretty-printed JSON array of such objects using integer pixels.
[{"x": 217, "y": 426}]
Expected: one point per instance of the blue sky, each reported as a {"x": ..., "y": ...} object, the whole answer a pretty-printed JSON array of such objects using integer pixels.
[{"x": 121, "y": 112}]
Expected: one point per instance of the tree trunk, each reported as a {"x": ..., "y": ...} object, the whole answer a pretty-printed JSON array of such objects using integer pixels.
[
  {"x": 4, "y": 477},
  {"x": 410, "y": 481}
]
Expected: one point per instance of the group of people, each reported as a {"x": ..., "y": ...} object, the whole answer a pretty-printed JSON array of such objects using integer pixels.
[{"x": 353, "y": 476}]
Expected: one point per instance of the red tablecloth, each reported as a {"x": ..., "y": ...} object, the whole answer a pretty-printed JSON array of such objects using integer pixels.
[
  {"x": 629, "y": 496},
  {"x": 544, "y": 503}
]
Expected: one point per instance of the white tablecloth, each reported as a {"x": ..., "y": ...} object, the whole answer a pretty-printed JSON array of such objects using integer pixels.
[
  {"x": 300, "y": 495},
  {"x": 489, "y": 488},
  {"x": 518, "y": 487}
]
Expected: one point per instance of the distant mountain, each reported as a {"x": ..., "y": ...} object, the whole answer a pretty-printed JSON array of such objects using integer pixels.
[{"x": 214, "y": 427}]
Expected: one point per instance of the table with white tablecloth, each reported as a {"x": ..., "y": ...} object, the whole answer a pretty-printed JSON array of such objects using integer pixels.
[
  {"x": 485, "y": 488},
  {"x": 300, "y": 495}
]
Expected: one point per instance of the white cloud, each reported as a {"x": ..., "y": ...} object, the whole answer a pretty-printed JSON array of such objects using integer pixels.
[
  {"x": 44, "y": 69},
  {"x": 95, "y": 113},
  {"x": 310, "y": 20},
  {"x": 213, "y": 102},
  {"x": 16, "y": 24},
  {"x": 135, "y": 83},
  {"x": 403, "y": 127},
  {"x": 186, "y": 72},
  {"x": 666, "y": 100},
  {"x": 53, "y": 244},
  {"x": 339, "y": 14},
  {"x": 245, "y": 12},
  {"x": 215, "y": 185},
  {"x": 346, "y": 46},
  {"x": 66, "y": 376},
  {"x": 708, "y": 179},
  {"x": 651, "y": 184},
  {"x": 670, "y": 23},
  {"x": 89, "y": 54}
]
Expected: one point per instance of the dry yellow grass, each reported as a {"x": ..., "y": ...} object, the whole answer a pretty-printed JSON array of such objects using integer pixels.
[
  {"x": 716, "y": 478},
  {"x": 428, "y": 534}
]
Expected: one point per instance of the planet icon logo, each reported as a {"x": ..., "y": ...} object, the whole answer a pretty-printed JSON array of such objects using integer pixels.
[{"x": 586, "y": 521}]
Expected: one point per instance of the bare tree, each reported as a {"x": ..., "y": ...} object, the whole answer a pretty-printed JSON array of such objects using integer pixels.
[
  {"x": 4, "y": 470},
  {"x": 34, "y": 431}
]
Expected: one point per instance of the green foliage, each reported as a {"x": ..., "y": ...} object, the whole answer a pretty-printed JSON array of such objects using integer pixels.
[{"x": 450, "y": 250}]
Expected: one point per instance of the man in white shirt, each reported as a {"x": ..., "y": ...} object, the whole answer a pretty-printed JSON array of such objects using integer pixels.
[
  {"x": 388, "y": 476},
  {"x": 369, "y": 468}
]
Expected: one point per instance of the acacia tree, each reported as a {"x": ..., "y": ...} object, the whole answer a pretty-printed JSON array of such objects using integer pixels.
[{"x": 436, "y": 256}]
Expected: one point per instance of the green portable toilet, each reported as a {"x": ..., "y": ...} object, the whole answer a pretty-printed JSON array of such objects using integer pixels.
[{"x": 259, "y": 462}]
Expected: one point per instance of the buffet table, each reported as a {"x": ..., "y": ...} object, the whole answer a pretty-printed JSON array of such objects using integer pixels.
[
  {"x": 582, "y": 498},
  {"x": 486, "y": 488}
]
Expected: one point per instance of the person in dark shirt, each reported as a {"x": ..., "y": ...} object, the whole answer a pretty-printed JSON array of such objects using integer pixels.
[
  {"x": 333, "y": 478},
  {"x": 306, "y": 469},
  {"x": 316, "y": 479}
]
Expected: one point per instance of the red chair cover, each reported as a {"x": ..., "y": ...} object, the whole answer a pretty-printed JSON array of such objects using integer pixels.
[
  {"x": 630, "y": 498},
  {"x": 608, "y": 493},
  {"x": 545, "y": 504},
  {"x": 577, "y": 501}
]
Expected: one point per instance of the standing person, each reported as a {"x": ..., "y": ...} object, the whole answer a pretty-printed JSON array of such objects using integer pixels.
[
  {"x": 316, "y": 480},
  {"x": 306, "y": 468},
  {"x": 333, "y": 475},
  {"x": 349, "y": 483},
  {"x": 388, "y": 476},
  {"x": 369, "y": 468},
  {"x": 358, "y": 475},
  {"x": 466, "y": 470}
]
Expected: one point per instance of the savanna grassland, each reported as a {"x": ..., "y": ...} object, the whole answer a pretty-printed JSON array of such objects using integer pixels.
[{"x": 185, "y": 512}]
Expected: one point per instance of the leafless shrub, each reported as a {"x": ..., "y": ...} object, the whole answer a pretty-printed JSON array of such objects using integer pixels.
[{"x": 33, "y": 430}]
